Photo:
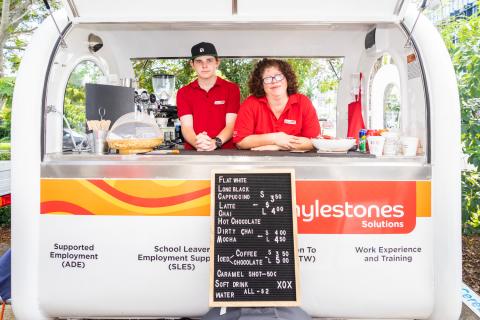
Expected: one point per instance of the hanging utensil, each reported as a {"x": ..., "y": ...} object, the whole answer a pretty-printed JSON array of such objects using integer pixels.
[{"x": 101, "y": 113}]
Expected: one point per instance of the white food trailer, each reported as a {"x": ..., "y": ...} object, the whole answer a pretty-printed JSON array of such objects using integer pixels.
[{"x": 112, "y": 236}]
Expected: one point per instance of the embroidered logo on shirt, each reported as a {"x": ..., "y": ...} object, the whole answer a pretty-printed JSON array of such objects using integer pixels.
[
  {"x": 219, "y": 102},
  {"x": 288, "y": 121}
]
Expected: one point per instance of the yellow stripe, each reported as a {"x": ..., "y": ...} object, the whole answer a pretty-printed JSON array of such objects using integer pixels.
[
  {"x": 424, "y": 199},
  {"x": 108, "y": 203},
  {"x": 151, "y": 188},
  {"x": 86, "y": 195}
]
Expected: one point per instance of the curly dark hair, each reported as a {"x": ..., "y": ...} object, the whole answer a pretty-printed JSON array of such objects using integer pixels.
[{"x": 255, "y": 83}]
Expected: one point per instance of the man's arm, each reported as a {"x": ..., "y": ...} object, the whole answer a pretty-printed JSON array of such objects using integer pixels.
[
  {"x": 227, "y": 132},
  {"x": 202, "y": 142},
  {"x": 188, "y": 133}
]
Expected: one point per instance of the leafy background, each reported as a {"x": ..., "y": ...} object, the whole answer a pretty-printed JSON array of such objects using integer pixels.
[{"x": 462, "y": 38}]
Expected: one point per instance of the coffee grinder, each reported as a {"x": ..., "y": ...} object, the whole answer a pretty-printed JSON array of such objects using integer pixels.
[{"x": 166, "y": 115}]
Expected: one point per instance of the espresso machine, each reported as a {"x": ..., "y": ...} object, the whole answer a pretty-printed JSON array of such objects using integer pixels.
[{"x": 165, "y": 113}]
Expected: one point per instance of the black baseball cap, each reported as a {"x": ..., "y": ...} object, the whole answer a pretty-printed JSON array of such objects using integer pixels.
[{"x": 204, "y": 49}]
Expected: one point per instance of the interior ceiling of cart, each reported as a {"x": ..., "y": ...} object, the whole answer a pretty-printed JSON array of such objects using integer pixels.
[
  {"x": 192, "y": 25},
  {"x": 324, "y": 10},
  {"x": 236, "y": 40}
]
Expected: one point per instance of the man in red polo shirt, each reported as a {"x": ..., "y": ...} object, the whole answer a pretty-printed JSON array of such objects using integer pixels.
[{"x": 208, "y": 106}]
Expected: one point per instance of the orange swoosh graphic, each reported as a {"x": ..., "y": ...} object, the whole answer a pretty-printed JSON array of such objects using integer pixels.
[
  {"x": 62, "y": 206},
  {"x": 149, "y": 202}
]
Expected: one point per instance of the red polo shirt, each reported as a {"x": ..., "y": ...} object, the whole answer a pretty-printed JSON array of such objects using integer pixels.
[
  {"x": 298, "y": 118},
  {"x": 209, "y": 108}
]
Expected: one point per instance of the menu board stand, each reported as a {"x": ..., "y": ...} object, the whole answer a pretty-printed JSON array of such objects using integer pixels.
[{"x": 254, "y": 258}]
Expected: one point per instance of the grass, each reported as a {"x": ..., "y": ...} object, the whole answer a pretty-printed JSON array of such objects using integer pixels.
[{"x": 5, "y": 216}]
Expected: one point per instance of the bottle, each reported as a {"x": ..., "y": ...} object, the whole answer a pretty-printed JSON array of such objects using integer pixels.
[{"x": 362, "y": 140}]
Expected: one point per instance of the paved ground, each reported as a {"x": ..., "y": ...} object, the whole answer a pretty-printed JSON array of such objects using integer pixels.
[
  {"x": 466, "y": 314},
  {"x": 8, "y": 315}
]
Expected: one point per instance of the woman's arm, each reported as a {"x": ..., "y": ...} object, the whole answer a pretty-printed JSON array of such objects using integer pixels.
[
  {"x": 280, "y": 139},
  {"x": 310, "y": 126}
]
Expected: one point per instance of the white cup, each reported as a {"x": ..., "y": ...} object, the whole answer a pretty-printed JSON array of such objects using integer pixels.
[
  {"x": 409, "y": 146},
  {"x": 375, "y": 145},
  {"x": 391, "y": 143}
]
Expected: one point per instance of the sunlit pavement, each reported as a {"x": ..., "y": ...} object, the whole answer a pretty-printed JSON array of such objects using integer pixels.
[{"x": 467, "y": 314}]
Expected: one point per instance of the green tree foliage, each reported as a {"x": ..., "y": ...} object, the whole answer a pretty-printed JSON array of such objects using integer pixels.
[
  {"x": 19, "y": 18},
  {"x": 462, "y": 37},
  {"x": 313, "y": 74},
  {"x": 471, "y": 202},
  {"x": 6, "y": 94},
  {"x": 238, "y": 71},
  {"x": 5, "y": 216},
  {"x": 74, "y": 107},
  {"x": 75, "y": 96},
  {"x": 146, "y": 69},
  {"x": 306, "y": 70}
]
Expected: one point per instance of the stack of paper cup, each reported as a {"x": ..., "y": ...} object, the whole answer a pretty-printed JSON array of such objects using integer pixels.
[
  {"x": 375, "y": 144},
  {"x": 391, "y": 143},
  {"x": 409, "y": 146}
]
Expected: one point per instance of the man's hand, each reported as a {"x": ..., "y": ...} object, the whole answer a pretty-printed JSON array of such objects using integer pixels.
[{"x": 204, "y": 143}]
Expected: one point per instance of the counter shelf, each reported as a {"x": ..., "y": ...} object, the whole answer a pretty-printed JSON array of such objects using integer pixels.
[
  {"x": 194, "y": 165},
  {"x": 240, "y": 153}
]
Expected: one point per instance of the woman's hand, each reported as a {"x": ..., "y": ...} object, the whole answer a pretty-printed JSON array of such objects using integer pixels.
[
  {"x": 284, "y": 141},
  {"x": 301, "y": 143}
]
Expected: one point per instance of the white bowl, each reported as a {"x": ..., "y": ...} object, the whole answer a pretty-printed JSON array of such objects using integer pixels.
[{"x": 333, "y": 145}]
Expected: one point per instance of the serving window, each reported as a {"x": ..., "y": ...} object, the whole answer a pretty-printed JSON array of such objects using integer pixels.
[
  {"x": 74, "y": 103},
  {"x": 318, "y": 79},
  {"x": 384, "y": 98},
  {"x": 131, "y": 62}
]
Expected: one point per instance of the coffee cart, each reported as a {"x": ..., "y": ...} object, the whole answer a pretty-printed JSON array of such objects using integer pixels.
[{"x": 112, "y": 236}]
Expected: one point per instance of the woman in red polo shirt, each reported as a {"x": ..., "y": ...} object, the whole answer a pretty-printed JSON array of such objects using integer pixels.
[{"x": 275, "y": 116}]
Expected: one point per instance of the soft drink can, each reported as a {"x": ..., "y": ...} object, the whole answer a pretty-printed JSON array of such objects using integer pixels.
[{"x": 362, "y": 140}]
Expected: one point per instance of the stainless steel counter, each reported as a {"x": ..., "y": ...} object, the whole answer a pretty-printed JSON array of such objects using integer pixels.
[{"x": 194, "y": 165}]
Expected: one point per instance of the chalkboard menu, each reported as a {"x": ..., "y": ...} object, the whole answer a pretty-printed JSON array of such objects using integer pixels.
[{"x": 254, "y": 260}]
